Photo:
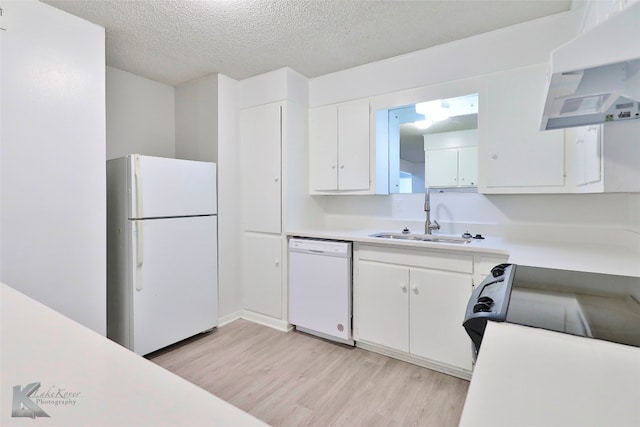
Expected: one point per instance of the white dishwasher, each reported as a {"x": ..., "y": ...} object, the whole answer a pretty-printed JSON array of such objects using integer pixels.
[{"x": 320, "y": 288}]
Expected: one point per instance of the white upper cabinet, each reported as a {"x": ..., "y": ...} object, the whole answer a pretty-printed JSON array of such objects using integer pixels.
[
  {"x": 452, "y": 167},
  {"x": 468, "y": 166},
  {"x": 606, "y": 158},
  {"x": 442, "y": 167},
  {"x": 261, "y": 140},
  {"x": 621, "y": 156},
  {"x": 339, "y": 148},
  {"x": 515, "y": 156},
  {"x": 588, "y": 155},
  {"x": 353, "y": 146},
  {"x": 323, "y": 148}
]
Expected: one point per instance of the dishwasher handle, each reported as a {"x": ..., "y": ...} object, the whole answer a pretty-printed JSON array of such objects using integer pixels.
[{"x": 320, "y": 247}]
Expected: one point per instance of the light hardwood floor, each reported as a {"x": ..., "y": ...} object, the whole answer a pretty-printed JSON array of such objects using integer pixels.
[{"x": 295, "y": 379}]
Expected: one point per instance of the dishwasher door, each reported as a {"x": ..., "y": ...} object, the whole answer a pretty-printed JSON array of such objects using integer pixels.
[{"x": 320, "y": 288}]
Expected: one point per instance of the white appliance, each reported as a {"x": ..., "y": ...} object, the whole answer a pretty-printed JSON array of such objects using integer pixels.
[
  {"x": 320, "y": 288},
  {"x": 595, "y": 78},
  {"x": 162, "y": 268}
]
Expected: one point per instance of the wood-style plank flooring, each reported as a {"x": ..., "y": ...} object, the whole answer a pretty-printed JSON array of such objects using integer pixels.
[{"x": 295, "y": 379}]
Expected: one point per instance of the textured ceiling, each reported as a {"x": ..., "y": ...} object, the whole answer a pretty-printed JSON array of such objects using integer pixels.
[{"x": 176, "y": 41}]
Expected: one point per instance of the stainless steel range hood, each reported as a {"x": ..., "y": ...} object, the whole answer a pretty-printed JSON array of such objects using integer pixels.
[{"x": 595, "y": 78}]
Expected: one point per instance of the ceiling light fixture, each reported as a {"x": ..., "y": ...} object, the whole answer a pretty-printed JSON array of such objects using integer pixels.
[
  {"x": 423, "y": 124},
  {"x": 436, "y": 111}
]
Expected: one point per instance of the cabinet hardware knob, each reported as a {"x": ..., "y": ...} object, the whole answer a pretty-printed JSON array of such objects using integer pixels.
[
  {"x": 341, "y": 166},
  {"x": 403, "y": 287},
  {"x": 414, "y": 289},
  {"x": 277, "y": 263}
]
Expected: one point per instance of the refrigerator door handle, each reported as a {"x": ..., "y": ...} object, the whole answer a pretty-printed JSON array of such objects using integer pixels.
[
  {"x": 138, "y": 176},
  {"x": 139, "y": 253}
]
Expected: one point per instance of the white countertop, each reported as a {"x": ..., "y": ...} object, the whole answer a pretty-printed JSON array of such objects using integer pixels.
[
  {"x": 602, "y": 258},
  {"x": 90, "y": 380},
  {"x": 533, "y": 377}
]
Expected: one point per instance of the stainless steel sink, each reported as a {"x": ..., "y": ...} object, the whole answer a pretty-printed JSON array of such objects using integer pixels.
[{"x": 422, "y": 238}]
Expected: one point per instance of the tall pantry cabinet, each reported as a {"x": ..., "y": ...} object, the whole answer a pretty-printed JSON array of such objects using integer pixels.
[
  {"x": 272, "y": 138},
  {"x": 261, "y": 160}
]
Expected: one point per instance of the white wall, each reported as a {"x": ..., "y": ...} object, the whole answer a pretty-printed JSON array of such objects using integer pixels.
[
  {"x": 417, "y": 170},
  {"x": 207, "y": 130},
  {"x": 277, "y": 85},
  {"x": 1, "y": 138},
  {"x": 229, "y": 206},
  {"x": 196, "y": 119},
  {"x": 52, "y": 157},
  {"x": 140, "y": 116},
  {"x": 613, "y": 210},
  {"x": 597, "y": 11},
  {"x": 511, "y": 47}
]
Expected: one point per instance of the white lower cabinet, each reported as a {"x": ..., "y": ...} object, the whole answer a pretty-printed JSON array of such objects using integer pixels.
[
  {"x": 412, "y": 302},
  {"x": 263, "y": 274},
  {"x": 437, "y": 302},
  {"x": 381, "y": 304}
]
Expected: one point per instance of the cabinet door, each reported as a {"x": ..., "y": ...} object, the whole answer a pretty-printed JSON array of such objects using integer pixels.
[
  {"x": 323, "y": 148},
  {"x": 442, "y": 168},
  {"x": 262, "y": 274},
  {"x": 515, "y": 153},
  {"x": 353, "y": 146},
  {"x": 381, "y": 304},
  {"x": 260, "y": 135},
  {"x": 588, "y": 155},
  {"x": 438, "y": 300},
  {"x": 468, "y": 166}
]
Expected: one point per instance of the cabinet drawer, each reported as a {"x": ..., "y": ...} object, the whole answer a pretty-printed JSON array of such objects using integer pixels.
[{"x": 417, "y": 258}]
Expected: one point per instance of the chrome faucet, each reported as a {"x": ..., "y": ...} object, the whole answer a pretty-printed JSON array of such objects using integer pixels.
[{"x": 428, "y": 224}]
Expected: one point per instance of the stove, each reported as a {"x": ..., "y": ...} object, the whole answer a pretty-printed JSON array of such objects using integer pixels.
[{"x": 598, "y": 306}]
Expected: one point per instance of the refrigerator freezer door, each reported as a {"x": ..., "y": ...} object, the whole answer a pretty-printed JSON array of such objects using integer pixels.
[
  {"x": 174, "y": 284},
  {"x": 162, "y": 187}
]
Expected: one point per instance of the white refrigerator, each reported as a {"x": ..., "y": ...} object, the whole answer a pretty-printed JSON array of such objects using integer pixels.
[{"x": 162, "y": 263}]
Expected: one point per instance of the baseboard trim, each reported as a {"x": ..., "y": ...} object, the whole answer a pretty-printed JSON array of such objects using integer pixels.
[
  {"x": 425, "y": 363},
  {"x": 284, "y": 326},
  {"x": 229, "y": 318},
  {"x": 264, "y": 320}
]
